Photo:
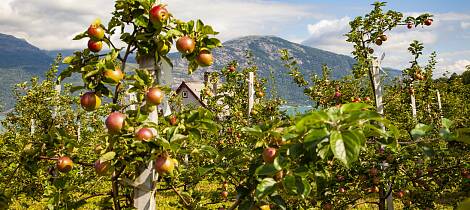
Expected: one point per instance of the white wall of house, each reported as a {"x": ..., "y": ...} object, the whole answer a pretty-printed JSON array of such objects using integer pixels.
[{"x": 188, "y": 98}]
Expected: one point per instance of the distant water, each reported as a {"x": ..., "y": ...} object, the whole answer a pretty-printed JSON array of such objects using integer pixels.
[{"x": 295, "y": 110}]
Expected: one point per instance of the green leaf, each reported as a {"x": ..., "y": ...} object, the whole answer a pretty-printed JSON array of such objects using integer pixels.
[
  {"x": 324, "y": 150},
  {"x": 354, "y": 107},
  {"x": 164, "y": 143},
  {"x": 463, "y": 135},
  {"x": 76, "y": 88},
  {"x": 420, "y": 130},
  {"x": 204, "y": 170},
  {"x": 107, "y": 157},
  {"x": 465, "y": 205},
  {"x": 178, "y": 138},
  {"x": 315, "y": 134},
  {"x": 297, "y": 185},
  {"x": 141, "y": 20},
  {"x": 68, "y": 59},
  {"x": 446, "y": 123},
  {"x": 81, "y": 36},
  {"x": 265, "y": 187},
  {"x": 346, "y": 146},
  {"x": 173, "y": 33},
  {"x": 91, "y": 73},
  {"x": 279, "y": 201},
  {"x": 208, "y": 30},
  {"x": 199, "y": 26},
  {"x": 312, "y": 118},
  {"x": 211, "y": 151},
  {"x": 267, "y": 169},
  {"x": 254, "y": 131},
  {"x": 296, "y": 150}
]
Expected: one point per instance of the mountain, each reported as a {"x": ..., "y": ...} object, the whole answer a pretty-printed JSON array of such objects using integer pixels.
[
  {"x": 265, "y": 54},
  {"x": 17, "y": 53},
  {"x": 21, "y": 60}
]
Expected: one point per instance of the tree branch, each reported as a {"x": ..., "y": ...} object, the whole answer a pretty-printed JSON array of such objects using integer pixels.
[{"x": 179, "y": 195}]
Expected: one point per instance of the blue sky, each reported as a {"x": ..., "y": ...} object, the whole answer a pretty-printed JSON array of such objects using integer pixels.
[{"x": 50, "y": 24}]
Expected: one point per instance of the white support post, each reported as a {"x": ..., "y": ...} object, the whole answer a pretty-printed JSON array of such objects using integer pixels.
[
  {"x": 377, "y": 86},
  {"x": 380, "y": 109},
  {"x": 79, "y": 130},
  {"x": 144, "y": 198},
  {"x": 439, "y": 103},
  {"x": 413, "y": 104},
  {"x": 33, "y": 127},
  {"x": 166, "y": 78},
  {"x": 58, "y": 89},
  {"x": 251, "y": 92}
]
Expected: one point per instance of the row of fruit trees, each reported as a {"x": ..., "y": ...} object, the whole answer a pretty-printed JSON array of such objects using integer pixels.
[{"x": 337, "y": 156}]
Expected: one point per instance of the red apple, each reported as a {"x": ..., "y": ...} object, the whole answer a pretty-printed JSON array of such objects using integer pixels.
[
  {"x": 154, "y": 96},
  {"x": 373, "y": 171},
  {"x": 115, "y": 122},
  {"x": 185, "y": 45},
  {"x": 159, "y": 14},
  {"x": 225, "y": 185},
  {"x": 409, "y": 25},
  {"x": 342, "y": 190},
  {"x": 378, "y": 41},
  {"x": 224, "y": 194},
  {"x": 204, "y": 58},
  {"x": 95, "y": 46},
  {"x": 327, "y": 206},
  {"x": 144, "y": 134},
  {"x": 337, "y": 94},
  {"x": 90, "y": 101},
  {"x": 376, "y": 180},
  {"x": 374, "y": 189},
  {"x": 96, "y": 32},
  {"x": 232, "y": 68},
  {"x": 367, "y": 99},
  {"x": 164, "y": 164},
  {"x": 113, "y": 76},
  {"x": 269, "y": 154},
  {"x": 428, "y": 22},
  {"x": 101, "y": 167},
  {"x": 173, "y": 120},
  {"x": 401, "y": 194},
  {"x": 383, "y": 37},
  {"x": 64, "y": 164}
]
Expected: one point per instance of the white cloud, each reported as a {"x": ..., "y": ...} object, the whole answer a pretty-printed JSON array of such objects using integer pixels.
[
  {"x": 51, "y": 24},
  {"x": 325, "y": 27},
  {"x": 458, "y": 66},
  {"x": 465, "y": 25},
  {"x": 328, "y": 34},
  {"x": 243, "y": 17}
]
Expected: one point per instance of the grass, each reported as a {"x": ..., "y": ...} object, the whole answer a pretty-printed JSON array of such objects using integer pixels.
[{"x": 209, "y": 191}]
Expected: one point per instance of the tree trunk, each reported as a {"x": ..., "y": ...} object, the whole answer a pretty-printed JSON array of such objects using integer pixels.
[{"x": 382, "y": 199}]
